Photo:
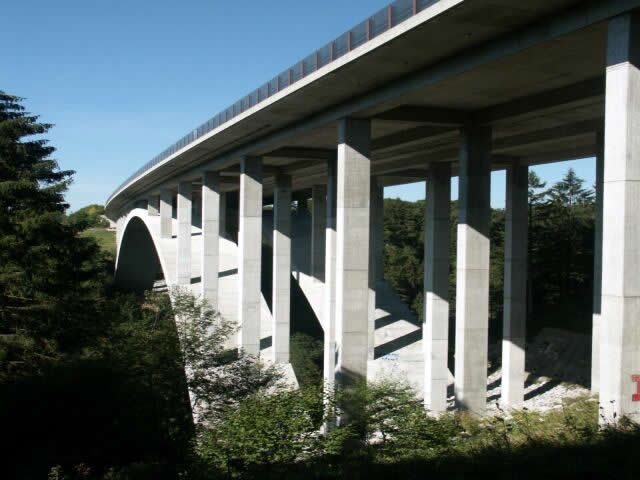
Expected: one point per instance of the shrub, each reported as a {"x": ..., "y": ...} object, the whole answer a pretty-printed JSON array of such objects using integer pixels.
[{"x": 264, "y": 430}]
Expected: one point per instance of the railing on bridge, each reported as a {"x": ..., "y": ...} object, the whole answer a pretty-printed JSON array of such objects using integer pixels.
[{"x": 385, "y": 19}]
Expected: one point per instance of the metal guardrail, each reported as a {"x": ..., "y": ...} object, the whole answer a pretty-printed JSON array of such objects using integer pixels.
[{"x": 381, "y": 21}]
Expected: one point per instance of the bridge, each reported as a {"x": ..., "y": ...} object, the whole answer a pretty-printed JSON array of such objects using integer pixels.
[{"x": 423, "y": 90}]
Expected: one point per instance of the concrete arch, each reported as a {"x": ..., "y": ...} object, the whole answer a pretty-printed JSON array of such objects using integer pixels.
[{"x": 141, "y": 254}]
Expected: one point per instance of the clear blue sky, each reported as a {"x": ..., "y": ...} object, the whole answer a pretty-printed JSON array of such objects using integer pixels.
[{"x": 122, "y": 80}]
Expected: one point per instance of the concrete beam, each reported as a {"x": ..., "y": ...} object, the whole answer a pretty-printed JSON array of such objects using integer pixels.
[
  {"x": 250, "y": 254},
  {"x": 435, "y": 327},
  {"x": 546, "y": 135},
  {"x": 545, "y": 102},
  {"x": 409, "y": 173},
  {"x": 303, "y": 165},
  {"x": 235, "y": 170},
  {"x": 303, "y": 153},
  {"x": 183, "y": 257},
  {"x": 417, "y": 134},
  {"x": 427, "y": 115},
  {"x": 210, "y": 238},
  {"x": 515, "y": 286},
  {"x": 620, "y": 340},
  {"x": 352, "y": 249},
  {"x": 281, "y": 302},
  {"x": 566, "y": 22},
  {"x": 472, "y": 287}
]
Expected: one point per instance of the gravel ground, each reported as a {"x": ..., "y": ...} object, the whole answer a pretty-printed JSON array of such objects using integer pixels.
[
  {"x": 560, "y": 366},
  {"x": 541, "y": 394}
]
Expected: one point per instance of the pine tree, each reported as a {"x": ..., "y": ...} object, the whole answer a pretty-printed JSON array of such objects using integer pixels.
[{"x": 49, "y": 277}]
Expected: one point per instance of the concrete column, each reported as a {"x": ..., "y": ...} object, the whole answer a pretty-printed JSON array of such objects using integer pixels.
[
  {"x": 374, "y": 221},
  {"x": 515, "y": 286},
  {"x": 620, "y": 325},
  {"x": 352, "y": 249},
  {"x": 435, "y": 327},
  {"x": 250, "y": 254},
  {"x": 329, "y": 307},
  {"x": 379, "y": 227},
  {"x": 281, "y": 302},
  {"x": 597, "y": 267},
  {"x": 183, "y": 257},
  {"x": 318, "y": 226},
  {"x": 153, "y": 205},
  {"x": 119, "y": 230},
  {"x": 166, "y": 214},
  {"x": 302, "y": 206},
  {"x": 210, "y": 237},
  {"x": 472, "y": 286},
  {"x": 223, "y": 215}
]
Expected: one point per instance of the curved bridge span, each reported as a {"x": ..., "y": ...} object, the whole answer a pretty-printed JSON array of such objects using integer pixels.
[{"x": 457, "y": 88}]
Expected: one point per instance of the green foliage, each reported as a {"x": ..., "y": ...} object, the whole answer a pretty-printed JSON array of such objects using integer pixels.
[
  {"x": 122, "y": 398},
  {"x": 561, "y": 229},
  {"x": 404, "y": 248},
  {"x": 264, "y": 430},
  {"x": 561, "y": 232},
  {"x": 306, "y": 354},
  {"x": 51, "y": 281},
  {"x": 88, "y": 217},
  {"x": 392, "y": 422},
  {"x": 217, "y": 377},
  {"x": 106, "y": 239}
]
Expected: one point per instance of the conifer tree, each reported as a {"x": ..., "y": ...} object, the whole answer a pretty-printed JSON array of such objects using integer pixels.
[{"x": 49, "y": 276}]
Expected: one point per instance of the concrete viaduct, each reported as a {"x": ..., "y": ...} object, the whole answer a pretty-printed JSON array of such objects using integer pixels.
[{"x": 422, "y": 90}]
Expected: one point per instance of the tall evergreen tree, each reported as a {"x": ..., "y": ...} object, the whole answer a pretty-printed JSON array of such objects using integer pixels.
[{"x": 49, "y": 277}]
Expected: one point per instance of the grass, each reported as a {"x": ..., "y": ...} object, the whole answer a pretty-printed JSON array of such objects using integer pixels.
[{"x": 105, "y": 238}]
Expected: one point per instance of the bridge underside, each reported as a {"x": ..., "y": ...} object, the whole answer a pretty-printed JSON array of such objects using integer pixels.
[{"x": 482, "y": 86}]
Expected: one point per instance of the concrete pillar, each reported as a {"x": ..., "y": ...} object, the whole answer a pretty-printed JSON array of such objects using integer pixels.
[
  {"x": 223, "y": 215},
  {"x": 435, "y": 327},
  {"x": 329, "y": 307},
  {"x": 318, "y": 226},
  {"x": 250, "y": 254},
  {"x": 379, "y": 228},
  {"x": 120, "y": 223},
  {"x": 210, "y": 237},
  {"x": 472, "y": 286},
  {"x": 620, "y": 325},
  {"x": 166, "y": 214},
  {"x": 153, "y": 205},
  {"x": 515, "y": 286},
  {"x": 374, "y": 221},
  {"x": 352, "y": 249},
  {"x": 597, "y": 267},
  {"x": 281, "y": 302},
  {"x": 302, "y": 206},
  {"x": 183, "y": 257}
]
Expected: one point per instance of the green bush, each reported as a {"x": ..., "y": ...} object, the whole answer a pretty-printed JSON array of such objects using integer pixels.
[
  {"x": 89, "y": 217},
  {"x": 264, "y": 430},
  {"x": 392, "y": 421},
  {"x": 306, "y": 359}
]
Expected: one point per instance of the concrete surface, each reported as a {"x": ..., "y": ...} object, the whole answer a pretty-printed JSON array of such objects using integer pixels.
[
  {"x": 250, "y": 254},
  {"x": 515, "y": 286},
  {"x": 472, "y": 269},
  {"x": 435, "y": 327},
  {"x": 352, "y": 249}
]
